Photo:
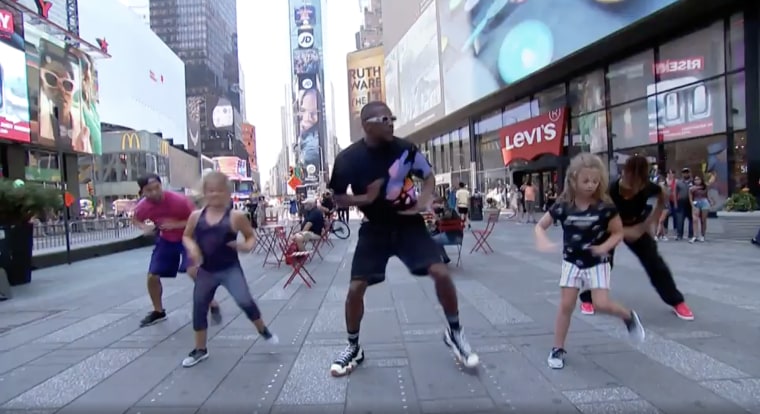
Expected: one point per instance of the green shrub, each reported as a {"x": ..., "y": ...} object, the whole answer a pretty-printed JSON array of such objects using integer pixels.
[{"x": 741, "y": 202}]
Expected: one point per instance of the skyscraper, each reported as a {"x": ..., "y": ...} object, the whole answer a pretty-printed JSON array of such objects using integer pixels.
[
  {"x": 203, "y": 33},
  {"x": 370, "y": 33}
]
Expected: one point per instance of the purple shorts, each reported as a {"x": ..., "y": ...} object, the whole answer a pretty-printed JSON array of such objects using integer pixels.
[{"x": 168, "y": 259}]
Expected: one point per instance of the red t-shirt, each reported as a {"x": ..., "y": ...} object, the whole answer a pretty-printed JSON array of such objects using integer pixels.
[{"x": 172, "y": 207}]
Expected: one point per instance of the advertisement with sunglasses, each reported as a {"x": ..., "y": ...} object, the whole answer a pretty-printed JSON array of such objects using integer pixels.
[
  {"x": 488, "y": 45},
  {"x": 14, "y": 100}
]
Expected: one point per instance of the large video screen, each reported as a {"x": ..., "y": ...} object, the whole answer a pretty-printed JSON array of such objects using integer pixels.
[
  {"x": 488, "y": 45},
  {"x": 14, "y": 98}
]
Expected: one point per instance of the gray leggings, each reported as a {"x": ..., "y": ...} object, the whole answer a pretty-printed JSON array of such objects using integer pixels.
[{"x": 234, "y": 281}]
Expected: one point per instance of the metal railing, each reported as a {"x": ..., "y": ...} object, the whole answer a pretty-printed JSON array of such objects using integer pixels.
[{"x": 50, "y": 237}]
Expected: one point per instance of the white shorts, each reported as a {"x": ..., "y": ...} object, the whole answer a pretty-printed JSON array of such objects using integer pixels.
[{"x": 597, "y": 277}]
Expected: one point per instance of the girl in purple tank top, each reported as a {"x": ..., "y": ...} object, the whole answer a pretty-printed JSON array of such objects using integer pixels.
[{"x": 211, "y": 242}]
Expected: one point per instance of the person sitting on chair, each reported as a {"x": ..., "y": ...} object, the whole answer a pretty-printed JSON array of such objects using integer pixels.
[
  {"x": 312, "y": 226},
  {"x": 448, "y": 218}
]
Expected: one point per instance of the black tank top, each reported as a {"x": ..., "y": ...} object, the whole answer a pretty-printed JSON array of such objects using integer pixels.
[{"x": 213, "y": 239}]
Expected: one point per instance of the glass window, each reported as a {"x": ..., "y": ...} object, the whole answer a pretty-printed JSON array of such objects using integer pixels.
[
  {"x": 489, "y": 151},
  {"x": 464, "y": 134},
  {"x": 587, "y": 93},
  {"x": 688, "y": 111},
  {"x": 589, "y": 132},
  {"x": 446, "y": 154},
  {"x": 739, "y": 175},
  {"x": 42, "y": 166},
  {"x": 552, "y": 98},
  {"x": 738, "y": 108},
  {"x": 629, "y": 125},
  {"x": 630, "y": 78},
  {"x": 489, "y": 123},
  {"x": 696, "y": 56},
  {"x": 620, "y": 157},
  {"x": 736, "y": 42},
  {"x": 519, "y": 111},
  {"x": 456, "y": 152},
  {"x": 706, "y": 157}
]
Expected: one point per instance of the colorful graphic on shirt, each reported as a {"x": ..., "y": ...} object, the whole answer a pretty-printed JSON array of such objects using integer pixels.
[{"x": 400, "y": 190}]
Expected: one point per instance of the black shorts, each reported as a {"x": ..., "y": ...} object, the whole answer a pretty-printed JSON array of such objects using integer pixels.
[
  {"x": 462, "y": 210},
  {"x": 411, "y": 243}
]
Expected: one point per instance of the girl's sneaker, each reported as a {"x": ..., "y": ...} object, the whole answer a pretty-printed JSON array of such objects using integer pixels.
[
  {"x": 194, "y": 357},
  {"x": 556, "y": 358}
]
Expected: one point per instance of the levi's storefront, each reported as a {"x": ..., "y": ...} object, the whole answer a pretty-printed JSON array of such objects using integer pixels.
[{"x": 682, "y": 102}]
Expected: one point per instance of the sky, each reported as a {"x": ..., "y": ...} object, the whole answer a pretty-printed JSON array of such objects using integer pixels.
[{"x": 264, "y": 53}]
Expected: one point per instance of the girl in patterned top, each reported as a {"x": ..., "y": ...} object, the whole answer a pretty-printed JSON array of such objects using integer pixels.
[{"x": 591, "y": 230}]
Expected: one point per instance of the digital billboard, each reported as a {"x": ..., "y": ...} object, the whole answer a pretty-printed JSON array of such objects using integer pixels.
[
  {"x": 308, "y": 86},
  {"x": 142, "y": 84},
  {"x": 365, "y": 84},
  {"x": 484, "y": 46},
  {"x": 14, "y": 98}
]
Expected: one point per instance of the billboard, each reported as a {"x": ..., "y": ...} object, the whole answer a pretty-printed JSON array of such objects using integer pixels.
[
  {"x": 308, "y": 79},
  {"x": 14, "y": 97},
  {"x": 119, "y": 142},
  {"x": 365, "y": 84},
  {"x": 142, "y": 85},
  {"x": 412, "y": 67},
  {"x": 233, "y": 167},
  {"x": 485, "y": 46},
  {"x": 249, "y": 140}
]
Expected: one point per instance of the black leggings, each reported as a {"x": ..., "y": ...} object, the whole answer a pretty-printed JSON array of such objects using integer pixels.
[
  {"x": 645, "y": 248},
  {"x": 206, "y": 284}
]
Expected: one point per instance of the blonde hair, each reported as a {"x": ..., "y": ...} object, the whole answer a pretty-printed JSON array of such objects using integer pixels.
[
  {"x": 215, "y": 177},
  {"x": 592, "y": 162}
]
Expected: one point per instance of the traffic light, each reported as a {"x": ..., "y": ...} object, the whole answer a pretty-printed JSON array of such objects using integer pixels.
[{"x": 90, "y": 189}]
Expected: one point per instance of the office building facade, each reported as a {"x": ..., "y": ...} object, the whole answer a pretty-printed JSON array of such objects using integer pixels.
[
  {"x": 370, "y": 33},
  {"x": 203, "y": 33}
]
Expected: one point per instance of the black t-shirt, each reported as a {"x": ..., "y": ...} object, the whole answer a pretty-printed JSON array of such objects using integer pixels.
[
  {"x": 328, "y": 203},
  {"x": 582, "y": 229},
  {"x": 317, "y": 220},
  {"x": 396, "y": 163},
  {"x": 634, "y": 210}
]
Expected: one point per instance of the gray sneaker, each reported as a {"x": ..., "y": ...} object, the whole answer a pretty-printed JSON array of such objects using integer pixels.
[{"x": 635, "y": 328}]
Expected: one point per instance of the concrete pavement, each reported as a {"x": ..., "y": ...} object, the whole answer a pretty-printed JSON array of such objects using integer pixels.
[{"x": 70, "y": 341}]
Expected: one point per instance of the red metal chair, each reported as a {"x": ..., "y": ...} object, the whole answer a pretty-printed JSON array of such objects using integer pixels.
[
  {"x": 455, "y": 225},
  {"x": 297, "y": 261},
  {"x": 276, "y": 247},
  {"x": 481, "y": 236}
]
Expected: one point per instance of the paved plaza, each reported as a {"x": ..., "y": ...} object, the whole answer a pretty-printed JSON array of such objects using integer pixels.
[{"x": 70, "y": 342}]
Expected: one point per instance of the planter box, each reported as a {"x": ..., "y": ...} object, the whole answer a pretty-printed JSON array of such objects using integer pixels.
[
  {"x": 16, "y": 253},
  {"x": 734, "y": 225}
]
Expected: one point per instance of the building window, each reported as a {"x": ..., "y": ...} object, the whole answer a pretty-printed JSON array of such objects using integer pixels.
[
  {"x": 587, "y": 93},
  {"x": 464, "y": 134},
  {"x": 630, "y": 78},
  {"x": 739, "y": 174},
  {"x": 589, "y": 132},
  {"x": 550, "y": 99},
  {"x": 696, "y": 56},
  {"x": 630, "y": 125},
  {"x": 705, "y": 157},
  {"x": 735, "y": 50},
  {"x": 738, "y": 108},
  {"x": 42, "y": 166},
  {"x": 456, "y": 152},
  {"x": 490, "y": 122},
  {"x": 692, "y": 110}
]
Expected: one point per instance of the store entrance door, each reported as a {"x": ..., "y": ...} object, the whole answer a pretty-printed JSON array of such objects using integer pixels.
[{"x": 543, "y": 180}]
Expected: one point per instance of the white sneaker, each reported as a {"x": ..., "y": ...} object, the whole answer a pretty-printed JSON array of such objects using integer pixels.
[
  {"x": 635, "y": 328},
  {"x": 701, "y": 239},
  {"x": 556, "y": 359}
]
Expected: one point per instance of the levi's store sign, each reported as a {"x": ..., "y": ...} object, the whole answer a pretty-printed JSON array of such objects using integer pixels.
[{"x": 526, "y": 140}]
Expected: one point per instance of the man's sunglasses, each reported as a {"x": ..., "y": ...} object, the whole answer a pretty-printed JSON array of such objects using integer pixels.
[{"x": 387, "y": 120}]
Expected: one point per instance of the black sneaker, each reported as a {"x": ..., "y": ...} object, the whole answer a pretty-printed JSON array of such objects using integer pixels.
[
  {"x": 216, "y": 315},
  {"x": 461, "y": 348},
  {"x": 349, "y": 359},
  {"x": 153, "y": 318},
  {"x": 556, "y": 358},
  {"x": 194, "y": 357}
]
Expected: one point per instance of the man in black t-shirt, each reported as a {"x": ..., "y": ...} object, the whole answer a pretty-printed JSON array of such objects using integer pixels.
[
  {"x": 379, "y": 169},
  {"x": 312, "y": 226}
]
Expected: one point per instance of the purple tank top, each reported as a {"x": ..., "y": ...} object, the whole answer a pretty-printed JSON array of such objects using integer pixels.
[{"x": 213, "y": 239}]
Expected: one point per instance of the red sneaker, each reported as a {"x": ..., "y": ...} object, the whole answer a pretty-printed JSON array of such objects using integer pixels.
[
  {"x": 587, "y": 308},
  {"x": 682, "y": 311}
]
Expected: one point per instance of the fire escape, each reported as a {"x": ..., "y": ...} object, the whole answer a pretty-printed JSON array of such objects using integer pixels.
[{"x": 72, "y": 21}]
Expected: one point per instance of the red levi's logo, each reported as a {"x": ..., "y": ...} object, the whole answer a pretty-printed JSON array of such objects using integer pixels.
[
  {"x": 6, "y": 23},
  {"x": 539, "y": 135}
]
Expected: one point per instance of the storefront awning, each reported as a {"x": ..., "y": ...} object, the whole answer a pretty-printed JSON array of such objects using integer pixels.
[{"x": 53, "y": 29}]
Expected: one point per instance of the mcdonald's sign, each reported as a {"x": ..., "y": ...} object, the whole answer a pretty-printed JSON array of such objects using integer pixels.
[
  {"x": 130, "y": 140},
  {"x": 164, "y": 148}
]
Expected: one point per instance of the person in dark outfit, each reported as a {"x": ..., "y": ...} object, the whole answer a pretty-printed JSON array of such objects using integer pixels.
[
  {"x": 379, "y": 169},
  {"x": 447, "y": 217},
  {"x": 630, "y": 194}
]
